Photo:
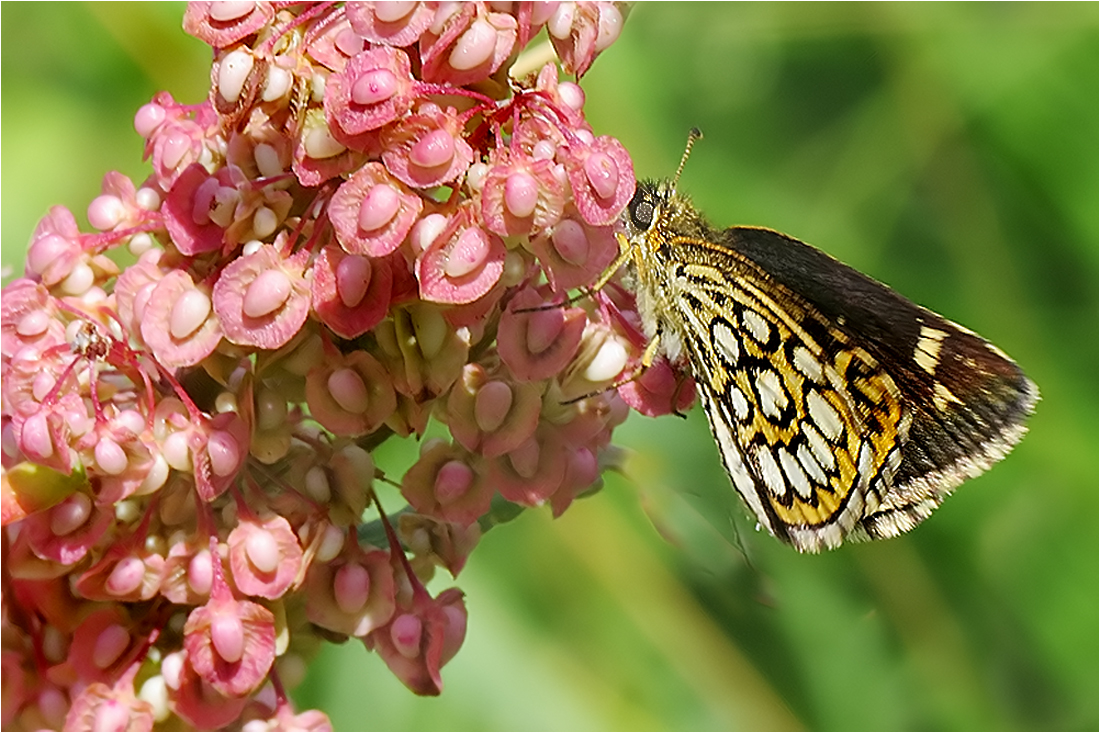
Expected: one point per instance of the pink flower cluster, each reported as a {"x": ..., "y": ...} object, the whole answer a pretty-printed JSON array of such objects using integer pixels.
[{"x": 367, "y": 225}]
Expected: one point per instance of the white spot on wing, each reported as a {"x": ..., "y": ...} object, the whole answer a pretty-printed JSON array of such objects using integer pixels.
[
  {"x": 821, "y": 450},
  {"x": 740, "y": 404},
  {"x": 893, "y": 461},
  {"x": 769, "y": 471},
  {"x": 824, "y": 415},
  {"x": 795, "y": 474},
  {"x": 772, "y": 397},
  {"x": 757, "y": 326},
  {"x": 942, "y": 397},
  {"x": 808, "y": 364},
  {"x": 927, "y": 353},
  {"x": 725, "y": 340},
  {"x": 865, "y": 459},
  {"x": 811, "y": 466}
]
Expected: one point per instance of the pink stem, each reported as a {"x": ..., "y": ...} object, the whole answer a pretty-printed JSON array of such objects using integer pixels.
[
  {"x": 99, "y": 242},
  {"x": 419, "y": 591}
]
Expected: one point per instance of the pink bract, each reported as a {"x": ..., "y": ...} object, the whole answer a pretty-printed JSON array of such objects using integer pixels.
[
  {"x": 55, "y": 247},
  {"x": 582, "y": 471},
  {"x": 573, "y": 252},
  {"x": 659, "y": 391},
  {"x": 391, "y": 26},
  {"x": 531, "y": 473},
  {"x": 29, "y": 320},
  {"x": 536, "y": 344},
  {"x": 117, "y": 206},
  {"x": 135, "y": 286},
  {"x": 492, "y": 414},
  {"x": 462, "y": 264},
  {"x": 66, "y": 533},
  {"x": 187, "y": 210},
  {"x": 230, "y": 643},
  {"x": 351, "y": 293},
  {"x": 124, "y": 574},
  {"x": 336, "y": 43},
  {"x": 426, "y": 149},
  {"x": 322, "y": 153},
  {"x": 602, "y": 176},
  {"x": 99, "y": 707},
  {"x": 448, "y": 544},
  {"x": 179, "y": 323},
  {"x": 188, "y": 573},
  {"x": 219, "y": 449},
  {"x": 521, "y": 195},
  {"x": 101, "y": 644},
  {"x": 420, "y": 640},
  {"x": 263, "y": 299},
  {"x": 201, "y": 704},
  {"x": 373, "y": 211},
  {"x": 374, "y": 88},
  {"x": 473, "y": 44},
  {"x": 351, "y": 395},
  {"x": 447, "y": 482},
  {"x": 264, "y": 556},
  {"x": 353, "y": 594},
  {"x": 579, "y": 31},
  {"x": 221, "y": 23}
]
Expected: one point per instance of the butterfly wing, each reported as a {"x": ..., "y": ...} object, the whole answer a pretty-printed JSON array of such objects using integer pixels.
[
  {"x": 840, "y": 408},
  {"x": 964, "y": 399},
  {"x": 808, "y": 423}
]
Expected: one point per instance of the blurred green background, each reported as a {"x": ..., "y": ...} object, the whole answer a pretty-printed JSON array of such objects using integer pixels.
[{"x": 948, "y": 150}]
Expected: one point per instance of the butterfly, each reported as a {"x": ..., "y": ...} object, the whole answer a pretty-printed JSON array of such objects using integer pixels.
[{"x": 841, "y": 409}]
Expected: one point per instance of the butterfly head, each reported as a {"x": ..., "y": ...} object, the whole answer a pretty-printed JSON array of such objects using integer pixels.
[{"x": 658, "y": 212}]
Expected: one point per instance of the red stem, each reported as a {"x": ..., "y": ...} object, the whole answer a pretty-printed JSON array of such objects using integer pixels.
[
  {"x": 99, "y": 242},
  {"x": 419, "y": 591}
]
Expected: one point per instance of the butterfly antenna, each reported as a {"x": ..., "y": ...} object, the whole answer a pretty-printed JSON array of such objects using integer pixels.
[{"x": 694, "y": 135}]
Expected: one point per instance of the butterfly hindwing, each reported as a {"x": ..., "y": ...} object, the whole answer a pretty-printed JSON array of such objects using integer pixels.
[
  {"x": 966, "y": 400},
  {"x": 808, "y": 417}
]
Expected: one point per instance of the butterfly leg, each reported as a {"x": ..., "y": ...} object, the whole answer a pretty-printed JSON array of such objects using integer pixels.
[
  {"x": 648, "y": 355},
  {"x": 587, "y": 292}
]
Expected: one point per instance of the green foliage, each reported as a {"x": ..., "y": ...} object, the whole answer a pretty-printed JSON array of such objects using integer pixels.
[{"x": 948, "y": 150}]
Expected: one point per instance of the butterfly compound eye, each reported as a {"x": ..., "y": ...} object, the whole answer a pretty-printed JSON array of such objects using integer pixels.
[{"x": 641, "y": 210}]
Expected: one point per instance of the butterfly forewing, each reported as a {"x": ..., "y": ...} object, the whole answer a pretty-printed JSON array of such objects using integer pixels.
[
  {"x": 815, "y": 421},
  {"x": 839, "y": 408},
  {"x": 965, "y": 400}
]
